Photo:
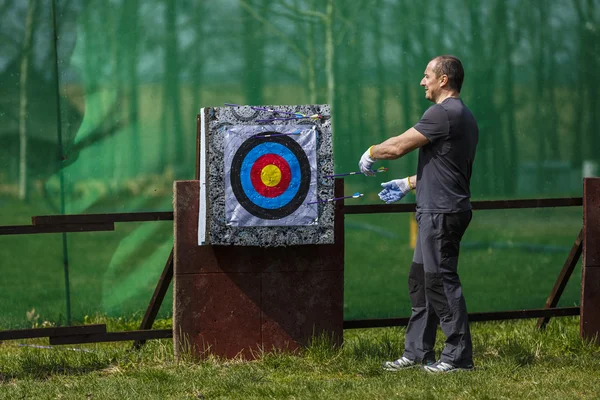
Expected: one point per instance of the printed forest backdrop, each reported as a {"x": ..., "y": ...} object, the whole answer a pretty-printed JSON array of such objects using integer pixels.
[{"x": 98, "y": 105}]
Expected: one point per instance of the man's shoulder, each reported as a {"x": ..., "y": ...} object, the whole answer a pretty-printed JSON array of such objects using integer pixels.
[
  {"x": 435, "y": 107},
  {"x": 456, "y": 108},
  {"x": 435, "y": 111},
  {"x": 453, "y": 103}
]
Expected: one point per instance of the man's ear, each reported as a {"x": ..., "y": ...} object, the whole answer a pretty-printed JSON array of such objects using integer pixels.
[{"x": 444, "y": 80}]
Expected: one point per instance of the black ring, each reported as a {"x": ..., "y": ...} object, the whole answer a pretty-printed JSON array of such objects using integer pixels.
[{"x": 236, "y": 182}]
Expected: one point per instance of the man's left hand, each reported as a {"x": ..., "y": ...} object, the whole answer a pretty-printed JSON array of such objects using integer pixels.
[{"x": 394, "y": 190}]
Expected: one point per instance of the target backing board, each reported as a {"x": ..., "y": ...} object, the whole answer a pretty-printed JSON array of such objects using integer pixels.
[{"x": 262, "y": 176}]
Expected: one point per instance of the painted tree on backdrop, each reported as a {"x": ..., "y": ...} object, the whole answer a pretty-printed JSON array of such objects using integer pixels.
[
  {"x": 25, "y": 61},
  {"x": 586, "y": 140},
  {"x": 352, "y": 110},
  {"x": 481, "y": 89},
  {"x": 254, "y": 51},
  {"x": 129, "y": 32},
  {"x": 511, "y": 36},
  {"x": 415, "y": 51},
  {"x": 102, "y": 110},
  {"x": 29, "y": 134},
  {"x": 544, "y": 123},
  {"x": 171, "y": 127},
  {"x": 377, "y": 21},
  {"x": 197, "y": 51},
  {"x": 292, "y": 24}
]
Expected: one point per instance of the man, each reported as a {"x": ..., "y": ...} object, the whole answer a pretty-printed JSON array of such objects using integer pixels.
[{"x": 446, "y": 137}]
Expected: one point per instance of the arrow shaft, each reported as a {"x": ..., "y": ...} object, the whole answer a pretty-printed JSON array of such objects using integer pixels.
[{"x": 330, "y": 200}]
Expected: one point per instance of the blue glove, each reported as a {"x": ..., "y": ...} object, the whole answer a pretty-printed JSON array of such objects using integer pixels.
[{"x": 394, "y": 190}]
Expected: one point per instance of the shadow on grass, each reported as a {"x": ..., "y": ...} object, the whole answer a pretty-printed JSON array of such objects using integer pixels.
[
  {"x": 44, "y": 363},
  {"x": 518, "y": 353}
]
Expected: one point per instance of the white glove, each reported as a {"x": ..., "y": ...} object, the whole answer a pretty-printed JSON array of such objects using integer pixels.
[
  {"x": 366, "y": 162},
  {"x": 394, "y": 190}
]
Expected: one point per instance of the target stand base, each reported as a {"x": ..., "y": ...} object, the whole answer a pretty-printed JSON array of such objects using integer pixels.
[{"x": 233, "y": 301}]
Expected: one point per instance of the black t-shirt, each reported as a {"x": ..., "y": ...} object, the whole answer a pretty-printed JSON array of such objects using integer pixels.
[{"x": 445, "y": 164}]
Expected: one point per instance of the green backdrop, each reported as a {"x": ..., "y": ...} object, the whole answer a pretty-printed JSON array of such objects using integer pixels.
[{"x": 98, "y": 113}]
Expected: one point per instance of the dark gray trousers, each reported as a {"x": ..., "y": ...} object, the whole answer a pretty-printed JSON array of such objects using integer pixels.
[{"x": 436, "y": 293}]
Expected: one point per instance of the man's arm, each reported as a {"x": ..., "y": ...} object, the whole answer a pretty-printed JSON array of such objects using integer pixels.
[
  {"x": 391, "y": 149},
  {"x": 399, "y": 146}
]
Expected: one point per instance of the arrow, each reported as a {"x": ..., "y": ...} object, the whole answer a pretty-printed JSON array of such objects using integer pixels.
[
  {"x": 380, "y": 169},
  {"x": 354, "y": 196},
  {"x": 296, "y": 132},
  {"x": 277, "y": 134}
]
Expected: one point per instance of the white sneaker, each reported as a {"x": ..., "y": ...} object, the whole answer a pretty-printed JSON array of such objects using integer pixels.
[
  {"x": 401, "y": 363},
  {"x": 441, "y": 367}
]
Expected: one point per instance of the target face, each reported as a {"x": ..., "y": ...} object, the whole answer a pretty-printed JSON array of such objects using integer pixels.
[{"x": 270, "y": 178}]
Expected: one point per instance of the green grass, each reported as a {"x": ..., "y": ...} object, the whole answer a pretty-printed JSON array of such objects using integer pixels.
[{"x": 513, "y": 360}]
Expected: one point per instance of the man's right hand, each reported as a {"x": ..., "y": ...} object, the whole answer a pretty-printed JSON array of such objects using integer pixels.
[
  {"x": 366, "y": 162},
  {"x": 394, "y": 190}
]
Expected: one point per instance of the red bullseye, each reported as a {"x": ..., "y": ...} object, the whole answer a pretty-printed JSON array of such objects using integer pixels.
[{"x": 270, "y": 175}]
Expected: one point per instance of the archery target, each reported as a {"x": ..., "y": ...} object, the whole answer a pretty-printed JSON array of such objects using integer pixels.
[{"x": 270, "y": 179}]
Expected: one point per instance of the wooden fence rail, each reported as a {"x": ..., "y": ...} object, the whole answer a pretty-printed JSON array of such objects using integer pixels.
[{"x": 106, "y": 221}]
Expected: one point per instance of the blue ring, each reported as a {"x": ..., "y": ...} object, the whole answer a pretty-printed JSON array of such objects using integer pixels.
[{"x": 253, "y": 155}]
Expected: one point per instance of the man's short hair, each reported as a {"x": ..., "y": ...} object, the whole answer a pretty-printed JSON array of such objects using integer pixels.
[{"x": 451, "y": 67}]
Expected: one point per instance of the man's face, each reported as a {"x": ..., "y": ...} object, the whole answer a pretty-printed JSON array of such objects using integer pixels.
[{"x": 431, "y": 82}]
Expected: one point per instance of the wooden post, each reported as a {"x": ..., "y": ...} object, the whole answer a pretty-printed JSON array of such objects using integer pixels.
[
  {"x": 590, "y": 285},
  {"x": 239, "y": 300}
]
